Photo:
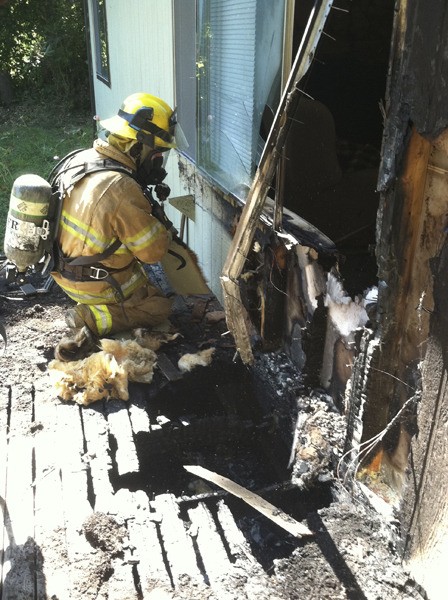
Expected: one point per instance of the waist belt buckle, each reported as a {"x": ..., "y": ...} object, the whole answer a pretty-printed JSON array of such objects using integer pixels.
[{"x": 98, "y": 273}]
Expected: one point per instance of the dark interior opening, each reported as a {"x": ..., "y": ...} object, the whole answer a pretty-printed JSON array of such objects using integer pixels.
[{"x": 333, "y": 150}]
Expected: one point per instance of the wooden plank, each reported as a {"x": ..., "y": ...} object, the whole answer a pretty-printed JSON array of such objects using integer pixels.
[
  {"x": 120, "y": 427},
  {"x": 50, "y": 533},
  {"x": 94, "y": 574},
  {"x": 120, "y": 584},
  {"x": 213, "y": 553},
  {"x": 75, "y": 499},
  {"x": 19, "y": 558},
  {"x": 238, "y": 546},
  {"x": 177, "y": 543},
  {"x": 137, "y": 408},
  {"x": 96, "y": 433},
  {"x": 254, "y": 500},
  {"x": 144, "y": 551},
  {"x": 244, "y": 562},
  {"x": 73, "y": 465}
]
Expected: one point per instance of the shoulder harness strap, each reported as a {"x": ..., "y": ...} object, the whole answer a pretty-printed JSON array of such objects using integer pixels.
[{"x": 102, "y": 164}]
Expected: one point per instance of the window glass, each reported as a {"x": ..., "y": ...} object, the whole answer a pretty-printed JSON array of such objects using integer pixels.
[
  {"x": 240, "y": 51},
  {"x": 236, "y": 73},
  {"x": 101, "y": 44}
]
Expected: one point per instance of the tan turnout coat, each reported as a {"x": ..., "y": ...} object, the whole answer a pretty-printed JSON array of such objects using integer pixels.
[{"x": 101, "y": 208}]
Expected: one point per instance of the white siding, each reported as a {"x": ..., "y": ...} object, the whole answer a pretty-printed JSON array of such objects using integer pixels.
[
  {"x": 209, "y": 235},
  {"x": 140, "y": 53},
  {"x": 141, "y": 58}
]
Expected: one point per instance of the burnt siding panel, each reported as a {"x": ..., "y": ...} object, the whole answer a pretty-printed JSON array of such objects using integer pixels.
[
  {"x": 418, "y": 80},
  {"x": 427, "y": 83}
]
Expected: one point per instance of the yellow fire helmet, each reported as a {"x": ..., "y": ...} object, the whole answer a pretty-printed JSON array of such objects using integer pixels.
[{"x": 149, "y": 120}]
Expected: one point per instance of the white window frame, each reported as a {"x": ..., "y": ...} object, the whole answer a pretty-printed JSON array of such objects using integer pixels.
[{"x": 100, "y": 36}]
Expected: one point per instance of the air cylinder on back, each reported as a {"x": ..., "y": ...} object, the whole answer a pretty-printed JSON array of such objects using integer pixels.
[{"x": 27, "y": 227}]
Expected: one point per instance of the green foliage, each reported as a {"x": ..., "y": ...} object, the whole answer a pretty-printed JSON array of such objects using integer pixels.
[
  {"x": 43, "y": 51},
  {"x": 43, "y": 48},
  {"x": 32, "y": 138}
]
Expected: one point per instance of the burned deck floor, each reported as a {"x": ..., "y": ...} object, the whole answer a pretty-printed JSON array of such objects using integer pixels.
[{"x": 97, "y": 503}]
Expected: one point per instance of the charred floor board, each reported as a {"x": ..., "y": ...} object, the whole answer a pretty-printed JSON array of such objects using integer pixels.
[
  {"x": 68, "y": 471},
  {"x": 97, "y": 504}
]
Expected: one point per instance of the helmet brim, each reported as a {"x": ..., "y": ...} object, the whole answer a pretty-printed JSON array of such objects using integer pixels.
[{"x": 119, "y": 126}]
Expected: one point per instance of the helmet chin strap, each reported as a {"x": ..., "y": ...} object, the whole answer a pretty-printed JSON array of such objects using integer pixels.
[{"x": 136, "y": 152}]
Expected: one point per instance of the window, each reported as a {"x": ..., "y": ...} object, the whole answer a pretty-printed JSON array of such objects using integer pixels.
[
  {"x": 185, "y": 57},
  {"x": 101, "y": 44},
  {"x": 237, "y": 72}
]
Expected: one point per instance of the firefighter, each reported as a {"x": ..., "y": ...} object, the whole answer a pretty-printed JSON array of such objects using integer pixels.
[{"x": 106, "y": 229}]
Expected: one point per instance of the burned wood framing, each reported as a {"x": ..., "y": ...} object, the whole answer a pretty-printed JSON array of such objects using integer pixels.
[
  {"x": 405, "y": 357},
  {"x": 418, "y": 83},
  {"x": 237, "y": 317}
]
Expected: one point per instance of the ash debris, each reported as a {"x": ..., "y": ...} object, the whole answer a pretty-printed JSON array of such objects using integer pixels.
[
  {"x": 353, "y": 555},
  {"x": 102, "y": 531},
  {"x": 312, "y": 426},
  {"x": 319, "y": 440}
]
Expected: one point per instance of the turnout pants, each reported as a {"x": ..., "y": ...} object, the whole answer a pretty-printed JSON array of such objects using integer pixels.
[{"x": 147, "y": 307}]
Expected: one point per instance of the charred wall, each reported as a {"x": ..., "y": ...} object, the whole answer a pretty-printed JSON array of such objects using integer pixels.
[
  {"x": 418, "y": 82},
  {"x": 408, "y": 366}
]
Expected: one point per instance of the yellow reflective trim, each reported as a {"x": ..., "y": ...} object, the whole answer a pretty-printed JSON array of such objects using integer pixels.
[
  {"x": 103, "y": 318},
  {"x": 132, "y": 284},
  {"x": 109, "y": 295},
  {"x": 123, "y": 250},
  {"x": 84, "y": 298},
  {"x": 81, "y": 225},
  {"x": 83, "y": 232},
  {"x": 73, "y": 233},
  {"x": 144, "y": 238}
]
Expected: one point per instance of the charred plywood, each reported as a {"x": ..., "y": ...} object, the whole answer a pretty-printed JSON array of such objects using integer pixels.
[
  {"x": 406, "y": 279},
  {"x": 425, "y": 510},
  {"x": 406, "y": 372},
  {"x": 411, "y": 235},
  {"x": 418, "y": 81}
]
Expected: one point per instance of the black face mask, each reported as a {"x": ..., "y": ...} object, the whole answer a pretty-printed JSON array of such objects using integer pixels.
[{"x": 151, "y": 171}]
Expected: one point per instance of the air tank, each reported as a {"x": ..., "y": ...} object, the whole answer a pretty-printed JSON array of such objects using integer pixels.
[{"x": 27, "y": 229}]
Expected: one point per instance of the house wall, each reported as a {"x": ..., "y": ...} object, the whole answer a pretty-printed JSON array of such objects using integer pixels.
[
  {"x": 135, "y": 67},
  {"x": 210, "y": 234},
  {"x": 151, "y": 69}
]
